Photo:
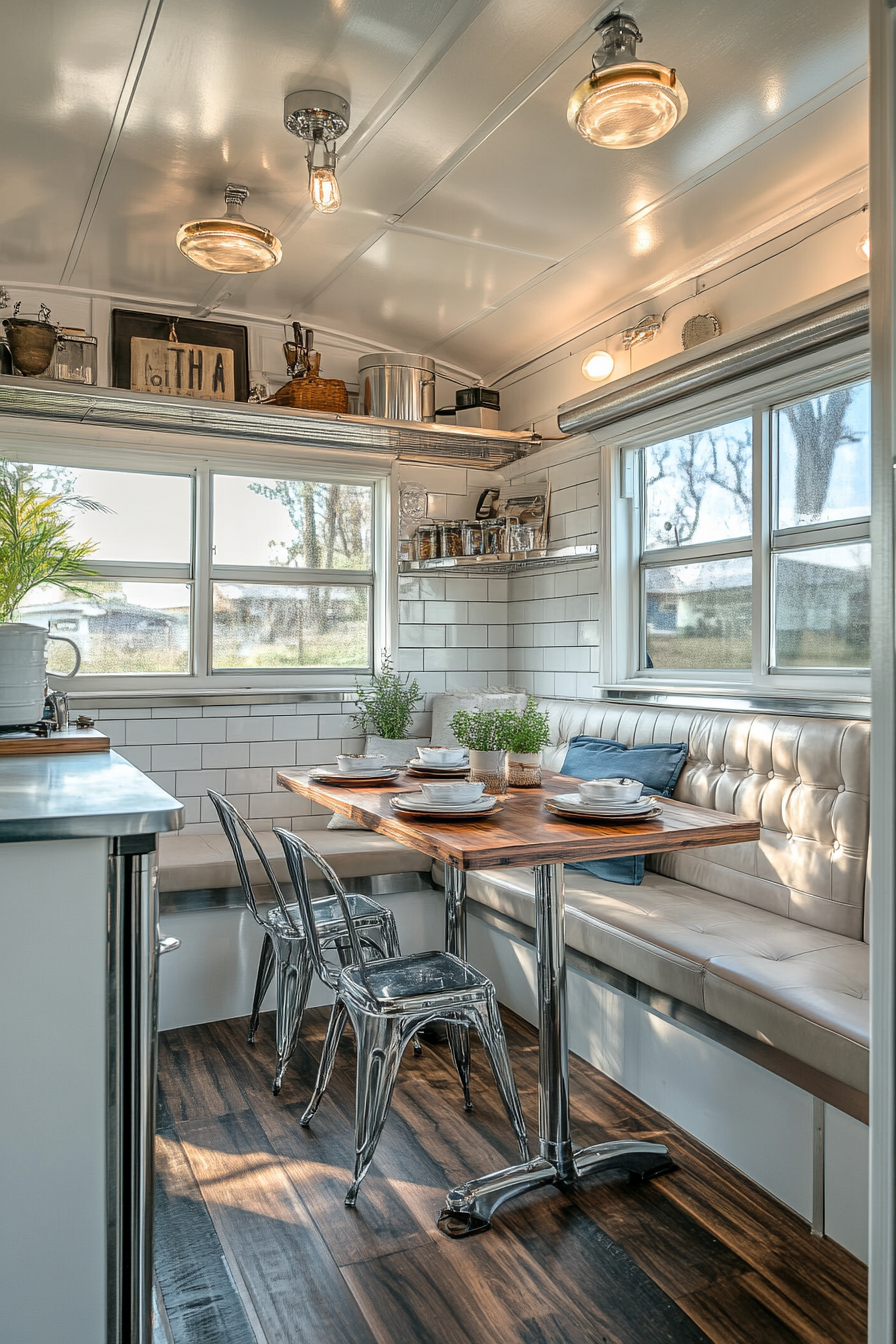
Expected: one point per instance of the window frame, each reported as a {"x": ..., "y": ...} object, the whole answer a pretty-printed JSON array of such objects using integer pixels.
[
  {"x": 756, "y": 396},
  {"x": 200, "y": 573}
]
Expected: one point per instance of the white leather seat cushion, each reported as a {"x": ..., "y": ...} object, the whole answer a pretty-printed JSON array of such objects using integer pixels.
[
  {"x": 796, "y": 987},
  {"x": 200, "y": 862}
]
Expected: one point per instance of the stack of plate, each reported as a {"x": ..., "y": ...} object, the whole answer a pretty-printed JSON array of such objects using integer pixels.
[
  {"x": 574, "y": 805},
  {"x": 418, "y": 767},
  {"x": 415, "y": 805},
  {"x": 330, "y": 774}
]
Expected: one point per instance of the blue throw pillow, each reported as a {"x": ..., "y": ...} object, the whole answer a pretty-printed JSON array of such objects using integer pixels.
[{"x": 656, "y": 764}]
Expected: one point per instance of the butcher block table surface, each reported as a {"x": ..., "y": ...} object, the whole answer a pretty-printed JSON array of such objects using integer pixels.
[{"x": 523, "y": 832}]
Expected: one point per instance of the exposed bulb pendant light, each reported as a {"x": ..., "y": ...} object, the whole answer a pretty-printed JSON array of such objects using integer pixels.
[
  {"x": 625, "y": 102},
  {"x": 230, "y": 243},
  {"x": 325, "y": 194},
  {"x": 320, "y": 118}
]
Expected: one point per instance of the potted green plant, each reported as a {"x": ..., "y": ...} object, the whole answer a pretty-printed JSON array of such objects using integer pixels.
[
  {"x": 385, "y": 713},
  {"x": 527, "y": 736},
  {"x": 486, "y": 735}
]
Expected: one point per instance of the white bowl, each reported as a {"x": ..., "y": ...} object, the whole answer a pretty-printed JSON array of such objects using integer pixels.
[
  {"x": 442, "y": 755},
  {"x": 457, "y": 791},
  {"x": 610, "y": 790},
  {"x": 352, "y": 764}
]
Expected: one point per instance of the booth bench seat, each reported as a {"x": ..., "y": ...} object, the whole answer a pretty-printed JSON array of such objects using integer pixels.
[
  {"x": 767, "y": 938},
  {"x": 778, "y": 981},
  {"x": 194, "y": 863}
]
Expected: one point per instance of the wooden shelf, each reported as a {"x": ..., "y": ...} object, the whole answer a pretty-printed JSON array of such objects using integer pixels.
[{"x": 508, "y": 562}]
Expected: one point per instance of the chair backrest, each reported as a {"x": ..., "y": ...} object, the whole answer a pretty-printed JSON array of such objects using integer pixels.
[
  {"x": 233, "y": 824},
  {"x": 296, "y": 851}
]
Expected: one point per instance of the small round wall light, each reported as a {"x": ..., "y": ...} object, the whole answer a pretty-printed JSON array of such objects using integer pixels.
[{"x": 598, "y": 365}]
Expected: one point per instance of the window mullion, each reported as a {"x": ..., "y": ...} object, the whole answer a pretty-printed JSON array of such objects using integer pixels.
[
  {"x": 202, "y": 587},
  {"x": 763, "y": 476}
]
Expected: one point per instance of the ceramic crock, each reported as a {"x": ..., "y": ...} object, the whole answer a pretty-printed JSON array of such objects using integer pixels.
[{"x": 23, "y": 671}]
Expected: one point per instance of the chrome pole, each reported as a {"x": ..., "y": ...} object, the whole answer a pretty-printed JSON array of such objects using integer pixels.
[
  {"x": 456, "y": 911},
  {"x": 132, "y": 1036},
  {"x": 469, "y": 1207},
  {"x": 555, "y": 1143}
]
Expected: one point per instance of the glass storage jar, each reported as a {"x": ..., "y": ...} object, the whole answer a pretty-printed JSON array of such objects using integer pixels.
[
  {"x": 493, "y": 534},
  {"x": 473, "y": 540},
  {"x": 452, "y": 538},
  {"x": 427, "y": 538}
]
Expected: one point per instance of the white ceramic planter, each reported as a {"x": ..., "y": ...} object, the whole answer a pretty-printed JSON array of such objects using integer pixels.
[
  {"x": 491, "y": 768},
  {"x": 397, "y": 750}
]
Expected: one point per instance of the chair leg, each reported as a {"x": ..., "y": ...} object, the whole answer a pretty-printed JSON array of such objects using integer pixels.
[
  {"x": 327, "y": 1059},
  {"x": 392, "y": 948},
  {"x": 380, "y": 1047},
  {"x": 492, "y": 1035},
  {"x": 262, "y": 982},
  {"x": 293, "y": 983},
  {"x": 459, "y": 1040}
]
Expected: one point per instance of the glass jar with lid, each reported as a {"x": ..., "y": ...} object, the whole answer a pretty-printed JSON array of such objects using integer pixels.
[
  {"x": 493, "y": 536},
  {"x": 427, "y": 539},
  {"x": 452, "y": 538},
  {"x": 473, "y": 538}
]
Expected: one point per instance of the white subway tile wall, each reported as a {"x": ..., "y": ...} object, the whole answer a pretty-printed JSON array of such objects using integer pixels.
[{"x": 540, "y": 632}]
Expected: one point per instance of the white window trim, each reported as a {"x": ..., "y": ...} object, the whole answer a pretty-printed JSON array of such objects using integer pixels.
[
  {"x": 52, "y": 446},
  {"x": 620, "y": 537}
]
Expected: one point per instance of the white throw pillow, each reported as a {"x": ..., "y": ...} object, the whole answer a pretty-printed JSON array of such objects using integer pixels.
[{"x": 445, "y": 705}]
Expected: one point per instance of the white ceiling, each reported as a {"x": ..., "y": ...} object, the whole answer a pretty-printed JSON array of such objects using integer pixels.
[{"x": 475, "y": 225}]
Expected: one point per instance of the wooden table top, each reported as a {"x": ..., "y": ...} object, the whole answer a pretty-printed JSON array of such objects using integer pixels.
[{"x": 523, "y": 832}]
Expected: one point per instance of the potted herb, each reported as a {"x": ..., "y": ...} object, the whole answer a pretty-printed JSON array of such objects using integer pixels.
[
  {"x": 486, "y": 735},
  {"x": 526, "y": 739},
  {"x": 386, "y": 711}
]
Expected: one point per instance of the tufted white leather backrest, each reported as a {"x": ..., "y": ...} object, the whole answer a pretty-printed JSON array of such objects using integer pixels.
[{"x": 805, "y": 780}]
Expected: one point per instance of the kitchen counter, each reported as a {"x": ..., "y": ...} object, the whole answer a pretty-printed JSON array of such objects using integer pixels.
[{"x": 81, "y": 797}]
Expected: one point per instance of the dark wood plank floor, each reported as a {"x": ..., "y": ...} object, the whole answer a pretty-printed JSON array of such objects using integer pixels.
[{"x": 259, "y": 1200}]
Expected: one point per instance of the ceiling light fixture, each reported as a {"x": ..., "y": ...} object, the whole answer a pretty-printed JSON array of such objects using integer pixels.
[
  {"x": 320, "y": 118},
  {"x": 598, "y": 365},
  {"x": 230, "y": 243},
  {"x": 625, "y": 102}
]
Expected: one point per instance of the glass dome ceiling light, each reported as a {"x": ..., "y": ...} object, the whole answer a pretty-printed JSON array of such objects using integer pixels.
[
  {"x": 624, "y": 102},
  {"x": 230, "y": 243}
]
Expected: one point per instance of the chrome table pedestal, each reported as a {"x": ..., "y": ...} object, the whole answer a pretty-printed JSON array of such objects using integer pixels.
[{"x": 469, "y": 1207}]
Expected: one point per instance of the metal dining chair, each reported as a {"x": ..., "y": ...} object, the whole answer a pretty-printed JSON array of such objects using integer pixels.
[
  {"x": 285, "y": 946},
  {"x": 388, "y": 1001}
]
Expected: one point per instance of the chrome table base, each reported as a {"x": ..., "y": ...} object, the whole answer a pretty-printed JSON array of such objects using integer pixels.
[{"x": 469, "y": 1207}]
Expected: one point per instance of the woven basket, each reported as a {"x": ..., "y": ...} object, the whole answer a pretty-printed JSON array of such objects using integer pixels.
[{"x": 312, "y": 394}]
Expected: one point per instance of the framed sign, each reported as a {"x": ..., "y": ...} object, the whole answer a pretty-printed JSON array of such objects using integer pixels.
[{"x": 179, "y": 356}]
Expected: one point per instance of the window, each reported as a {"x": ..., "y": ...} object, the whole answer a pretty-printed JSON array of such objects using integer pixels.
[
  {"x": 266, "y": 535},
  {"x": 210, "y": 577},
  {"x": 136, "y": 615},
  {"x": 754, "y": 552}
]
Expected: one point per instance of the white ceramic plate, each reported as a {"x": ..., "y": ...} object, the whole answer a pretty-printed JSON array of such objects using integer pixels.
[
  {"x": 415, "y": 765},
  {"x": 415, "y": 802},
  {"x": 324, "y": 775},
  {"x": 581, "y": 814},
  {"x": 573, "y": 802}
]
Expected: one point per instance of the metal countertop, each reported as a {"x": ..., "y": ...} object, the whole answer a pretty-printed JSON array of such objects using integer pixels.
[{"x": 73, "y": 797}]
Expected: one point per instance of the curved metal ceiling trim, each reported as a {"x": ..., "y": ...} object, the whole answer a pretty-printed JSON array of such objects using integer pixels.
[{"x": 828, "y": 325}]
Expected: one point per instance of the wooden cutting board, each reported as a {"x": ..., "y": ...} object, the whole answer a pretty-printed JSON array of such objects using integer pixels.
[{"x": 66, "y": 740}]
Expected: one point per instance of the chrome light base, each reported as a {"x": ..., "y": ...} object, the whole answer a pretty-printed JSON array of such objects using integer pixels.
[{"x": 315, "y": 114}]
